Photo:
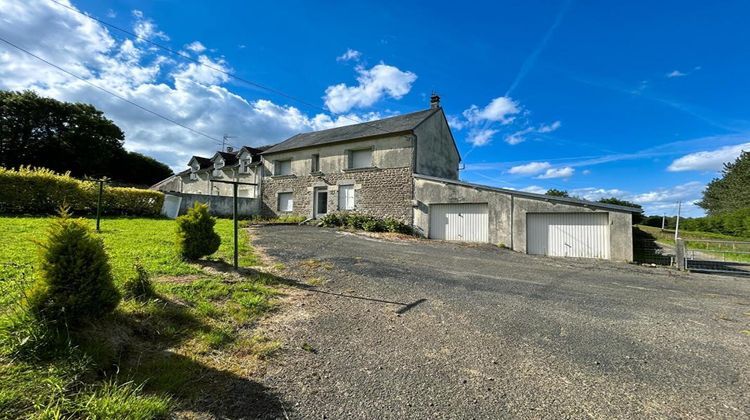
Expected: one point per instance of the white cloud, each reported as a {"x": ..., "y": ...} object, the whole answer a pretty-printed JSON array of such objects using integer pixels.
[
  {"x": 532, "y": 168},
  {"x": 455, "y": 122},
  {"x": 502, "y": 109},
  {"x": 664, "y": 200},
  {"x": 480, "y": 137},
  {"x": 564, "y": 172},
  {"x": 548, "y": 128},
  {"x": 146, "y": 28},
  {"x": 518, "y": 136},
  {"x": 595, "y": 194},
  {"x": 676, "y": 73},
  {"x": 196, "y": 47},
  {"x": 586, "y": 171},
  {"x": 189, "y": 94},
  {"x": 535, "y": 189},
  {"x": 350, "y": 54},
  {"x": 710, "y": 160},
  {"x": 374, "y": 84}
]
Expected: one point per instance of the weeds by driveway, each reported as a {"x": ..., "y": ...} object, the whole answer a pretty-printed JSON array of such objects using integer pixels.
[{"x": 389, "y": 329}]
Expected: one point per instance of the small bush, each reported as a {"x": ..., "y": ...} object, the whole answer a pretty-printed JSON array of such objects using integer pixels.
[
  {"x": 139, "y": 286},
  {"x": 74, "y": 283},
  {"x": 196, "y": 237},
  {"x": 364, "y": 222}
]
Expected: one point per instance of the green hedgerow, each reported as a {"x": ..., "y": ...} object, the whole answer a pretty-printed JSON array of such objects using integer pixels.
[
  {"x": 139, "y": 286},
  {"x": 75, "y": 279},
  {"x": 196, "y": 237}
]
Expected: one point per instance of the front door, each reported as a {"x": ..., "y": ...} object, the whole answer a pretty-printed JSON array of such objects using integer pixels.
[{"x": 321, "y": 202}]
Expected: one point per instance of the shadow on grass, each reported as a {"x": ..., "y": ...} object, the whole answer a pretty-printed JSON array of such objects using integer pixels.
[{"x": 141, "y": 346}]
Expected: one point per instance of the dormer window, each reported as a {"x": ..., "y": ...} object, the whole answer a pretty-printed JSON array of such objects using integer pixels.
[
  {"x": 193, "y": 176},
  {"x": 219, "y": 163},
  {"x": 245, "y": 164}
]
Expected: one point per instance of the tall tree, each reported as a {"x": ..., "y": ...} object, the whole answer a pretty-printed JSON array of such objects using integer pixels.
[
  {"x": 65, "y": 136},
  {"x": 732, "y": 190}
]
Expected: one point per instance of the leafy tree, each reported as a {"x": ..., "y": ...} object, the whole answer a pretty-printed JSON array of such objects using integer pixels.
[
  {"x": 75, "y": 279},
  {"x": 637, "y": 218},
  {"x": 730, "y": 192},
  {"x": 68, "y": 137},
  {"x": 557, "y": 193},
  {"x": 196, "y": 237}
]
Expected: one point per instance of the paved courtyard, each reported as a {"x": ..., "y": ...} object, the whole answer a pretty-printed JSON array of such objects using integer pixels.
[{"x": 421, "y": 329}]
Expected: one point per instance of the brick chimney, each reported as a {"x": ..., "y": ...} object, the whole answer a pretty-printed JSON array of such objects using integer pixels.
[{"x": 434, "y": 100}]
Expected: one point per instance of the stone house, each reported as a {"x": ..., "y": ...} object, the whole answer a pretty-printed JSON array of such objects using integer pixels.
[
  {"x": 407, "y": 167},
  {"x": 366, "y": 167}
]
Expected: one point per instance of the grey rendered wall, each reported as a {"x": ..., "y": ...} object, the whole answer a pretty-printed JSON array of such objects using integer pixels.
[
  {"x": 220, "y": 205},
  {"x": 436, "y": 151},
  {"x": 620, "y": 224},
  {"x": 503, "y": 207},
  {"x": 430, "y": 192}
]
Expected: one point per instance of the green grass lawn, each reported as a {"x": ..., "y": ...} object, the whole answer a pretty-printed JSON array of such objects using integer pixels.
[{"x": 180, "y": 350}]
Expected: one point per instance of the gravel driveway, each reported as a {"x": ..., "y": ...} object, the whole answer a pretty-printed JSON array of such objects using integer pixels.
[{"x": 421, "y": 329}]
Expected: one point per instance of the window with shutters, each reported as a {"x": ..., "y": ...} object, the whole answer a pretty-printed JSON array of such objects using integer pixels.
[
  {"x": 286, "y": 202},
  {"x": 346, "y": 197},
  {"x": 360, "y": 159}
]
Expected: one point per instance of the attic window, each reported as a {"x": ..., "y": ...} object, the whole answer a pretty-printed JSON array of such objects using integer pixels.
[{"x": 219, "y": 164}]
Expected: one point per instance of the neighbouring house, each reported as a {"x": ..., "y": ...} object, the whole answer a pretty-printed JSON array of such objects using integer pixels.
[
  {"x": 407, "y": 167},
  {"x": 242, "y": 165}
]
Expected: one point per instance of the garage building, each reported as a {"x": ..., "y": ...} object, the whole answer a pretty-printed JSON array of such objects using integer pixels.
[{"x": 533, "y": 223}]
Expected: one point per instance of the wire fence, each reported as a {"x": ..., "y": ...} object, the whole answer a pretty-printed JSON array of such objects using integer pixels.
[
  {"x": 648, "y": 251},
  {"x": 717, "y": 256}
]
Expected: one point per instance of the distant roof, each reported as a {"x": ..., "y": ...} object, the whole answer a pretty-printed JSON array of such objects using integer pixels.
[
  {"x": 397, "y": 124},
  {"x": 568, "y": 200},
  {"x": 230, "y": 158},
  {"x": 203, "y": 162}
]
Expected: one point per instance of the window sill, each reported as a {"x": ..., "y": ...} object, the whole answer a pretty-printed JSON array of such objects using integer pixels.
[
  {"x": 368, "y": 169},
  {"x": 283, "y": 176},
  {"x": 317, "y": 173}
]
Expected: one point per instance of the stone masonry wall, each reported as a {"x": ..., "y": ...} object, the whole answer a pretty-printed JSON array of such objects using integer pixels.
[{"x": 378, "y": 192}]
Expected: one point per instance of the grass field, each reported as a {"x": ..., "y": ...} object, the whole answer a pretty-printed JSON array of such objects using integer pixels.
[
  {"x": 694, "y": 241},
  {"x": 185, "y": 349}
]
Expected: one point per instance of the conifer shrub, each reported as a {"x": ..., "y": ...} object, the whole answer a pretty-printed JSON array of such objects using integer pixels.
[
  {"x": 196, "y": 237},
  {"x": 139, "y": 286},
  {"x": 74, "y": 282}
]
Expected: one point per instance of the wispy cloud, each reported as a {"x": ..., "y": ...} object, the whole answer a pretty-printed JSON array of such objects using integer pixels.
[
  {"x": 708, "y": 160},
  {"x": 675, "y": 73},
  {"x": 373, "y": 84},
  {"x": 564, "y": 172},
  {"x": 528, "y": 64},
  {"x": 349, "y": 55},
  {"x": 531, "y": 168}
]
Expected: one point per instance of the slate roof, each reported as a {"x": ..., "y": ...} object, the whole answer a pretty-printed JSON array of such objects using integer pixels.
[
  {"x": 397, "y": 124},
  {"x": 230, "y": 158},
  {"x": 203, "y": 162},
  {"x": 567, "y": 200}
]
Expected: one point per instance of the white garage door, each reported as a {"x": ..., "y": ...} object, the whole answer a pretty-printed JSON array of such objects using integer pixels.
[
  {"x": 584, "y": 235},
  {"x": 459, "y": 222}
]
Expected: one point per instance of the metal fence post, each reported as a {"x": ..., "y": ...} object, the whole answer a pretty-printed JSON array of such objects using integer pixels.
[{"x": 680, "y": 254}]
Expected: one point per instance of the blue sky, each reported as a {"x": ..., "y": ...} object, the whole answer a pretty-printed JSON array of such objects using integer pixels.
[{"x": 641, "y": 100}]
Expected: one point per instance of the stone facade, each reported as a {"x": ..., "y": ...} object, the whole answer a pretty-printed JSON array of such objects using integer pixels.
[{"x": 381, "y": 192}]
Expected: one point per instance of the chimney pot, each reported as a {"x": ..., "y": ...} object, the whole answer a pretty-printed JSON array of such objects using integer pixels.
[{"x": 434, "y": 100}]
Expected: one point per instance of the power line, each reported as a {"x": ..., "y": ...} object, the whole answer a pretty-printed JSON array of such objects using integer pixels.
[
  {"x": 218, "y": 141},
  {"x": 218, "y": 69}
]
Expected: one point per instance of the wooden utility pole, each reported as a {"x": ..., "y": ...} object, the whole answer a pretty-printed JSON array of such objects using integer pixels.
[{"x": 235, "y": 185}]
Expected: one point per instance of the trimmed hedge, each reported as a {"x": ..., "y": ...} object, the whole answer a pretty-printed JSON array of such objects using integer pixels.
[{"x": 42, "y": 191}]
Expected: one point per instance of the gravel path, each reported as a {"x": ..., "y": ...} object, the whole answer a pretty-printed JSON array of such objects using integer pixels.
[{"x": 420, "y": 329}]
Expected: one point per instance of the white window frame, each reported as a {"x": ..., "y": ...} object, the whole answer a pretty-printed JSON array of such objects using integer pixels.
[
  {"x": 346, "y": 197},
  {"x": 290, "y": 202},
  {"x": 193, "y": 176},
  {"x": 219, "y": 163},
  {"x": 353, "y": 161},
  {"x": 278, "y": 167}
]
